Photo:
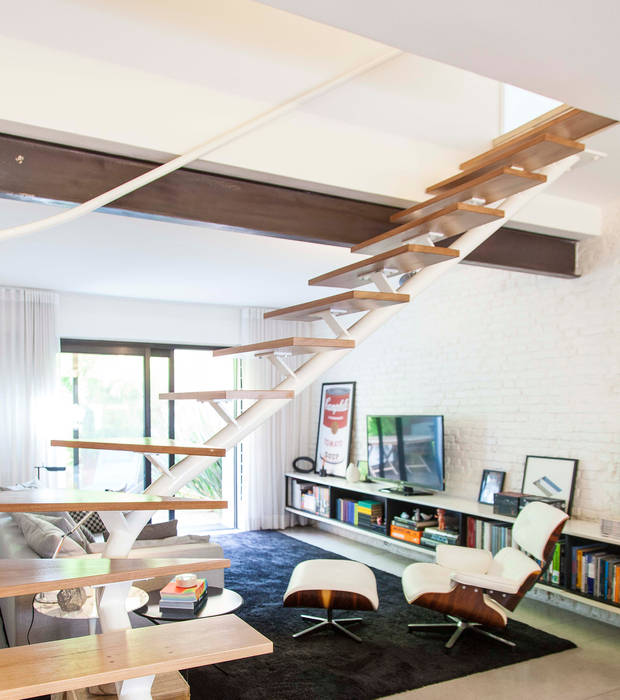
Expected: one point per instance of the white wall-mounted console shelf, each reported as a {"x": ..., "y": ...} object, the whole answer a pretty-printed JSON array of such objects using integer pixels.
[{"x": 576, "y": 532}]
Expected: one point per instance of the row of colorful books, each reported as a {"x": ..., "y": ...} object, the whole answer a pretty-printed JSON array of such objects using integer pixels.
[
  {"x": 555, "y": 573},
  {"x": 485, "y": 534},
  {"x": 368, "y": 514},
  {"x": 595, "y": 570},
  {"x": 310, "y": 497},
  {"x": 176, "y": 600},
  {"x": 432, "y": 536}
]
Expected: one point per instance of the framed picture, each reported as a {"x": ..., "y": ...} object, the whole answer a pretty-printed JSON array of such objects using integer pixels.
[
  {"x": 333, "y": 443},
  {"x": 492, "y": 482},
  {"x": 553, "y": 477}
]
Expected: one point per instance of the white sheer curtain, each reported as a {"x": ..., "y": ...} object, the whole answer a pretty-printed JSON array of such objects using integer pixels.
[
  {"x": 28, "y": 347},
  {"x": 269, "y": 451}
]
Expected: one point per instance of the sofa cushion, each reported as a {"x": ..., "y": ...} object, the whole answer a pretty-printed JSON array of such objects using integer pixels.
[
  {"x": 157, "y": 531},
  {"x": 97, "y": 547},
  {"x": 32, "y": 484},
  {"x": 43, "y": 537}
]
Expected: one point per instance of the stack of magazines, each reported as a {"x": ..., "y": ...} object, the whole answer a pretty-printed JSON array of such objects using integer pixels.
[{"x": 182, "y": 602}]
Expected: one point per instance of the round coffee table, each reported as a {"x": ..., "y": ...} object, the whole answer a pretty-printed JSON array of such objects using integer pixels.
[
  {"x": 220, "y": 601},
  {"x": 47, "y": 605}
]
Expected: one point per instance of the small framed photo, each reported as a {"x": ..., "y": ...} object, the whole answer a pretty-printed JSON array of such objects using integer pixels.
[
  {"x": 492, "y": 482},
  {"x": 552, "y": 477},
  {"x": 333, "y": 442}
]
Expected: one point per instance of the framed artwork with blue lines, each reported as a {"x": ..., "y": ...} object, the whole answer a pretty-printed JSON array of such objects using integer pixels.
[{"x": 552, "y": 477}]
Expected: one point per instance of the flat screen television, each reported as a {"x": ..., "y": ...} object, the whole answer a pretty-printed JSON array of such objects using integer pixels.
[{"x": 407, "y": 452}]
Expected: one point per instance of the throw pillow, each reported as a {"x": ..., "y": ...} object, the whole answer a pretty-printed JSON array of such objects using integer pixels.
[
  {"x": 43, "y": 537},
  {"x": 65, "y": 522},
  {"x": 94, "y": 523},
  {"x": 157, "y": 531}
]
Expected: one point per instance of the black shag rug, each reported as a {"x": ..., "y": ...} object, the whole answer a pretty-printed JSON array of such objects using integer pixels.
[{"x": 328, "y": 665}]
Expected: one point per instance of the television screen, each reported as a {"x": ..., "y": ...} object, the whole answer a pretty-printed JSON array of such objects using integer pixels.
[{"x": 407, "y": 450}]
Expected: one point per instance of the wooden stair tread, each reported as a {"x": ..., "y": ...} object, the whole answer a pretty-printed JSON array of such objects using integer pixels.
[
  {"x": 142, "y": 445},
  {"x": 571, "y": 124},
  {"x": 29, "y": 576},
  {"x": 403, "y": 259},
  {"x": 293, "y": 345},
  {"x": 67, "y": 664},
  {"x": 345, "y": 303},
  {"x": 451, "y": 220},
  {"x": 45, "y": 500},
  {"x": 530, "y": 154},
  {"x": 228, "y": 395},
  {"x": 492, "y": 186}
]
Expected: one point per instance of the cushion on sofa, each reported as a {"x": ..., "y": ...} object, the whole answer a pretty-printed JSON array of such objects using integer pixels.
[
  {"x": 43, "y": 537},
  {"x": 97, "y": 547},
  {"x": 32, "y": 484},
  {"x": 157, "y": 531}
]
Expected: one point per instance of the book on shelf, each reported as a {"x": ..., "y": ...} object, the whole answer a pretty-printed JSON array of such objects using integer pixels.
[
  {"x": 310, "y": 497},
  {"x": 406, "y": 534},
  {"x": 183, "y": 608},
  {"x": 442, "y": 536},
  {"x": 360, "y": 513},
  {"x": 490, "y": 535},
  {"x": 414, "y": 524}
]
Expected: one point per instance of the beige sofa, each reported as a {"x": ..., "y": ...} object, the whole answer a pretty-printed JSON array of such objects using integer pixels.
[{"x": 17, "y": 612}]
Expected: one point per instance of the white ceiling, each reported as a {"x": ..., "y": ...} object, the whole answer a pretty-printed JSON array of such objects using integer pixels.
[
  {"x": 155, "y": 77},
  {"x": 131, "y": 257},
  {"x": 566, "y": 50}
]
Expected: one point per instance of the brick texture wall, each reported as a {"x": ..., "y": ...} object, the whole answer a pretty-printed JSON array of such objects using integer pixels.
[{"x": 518, "y": 364}]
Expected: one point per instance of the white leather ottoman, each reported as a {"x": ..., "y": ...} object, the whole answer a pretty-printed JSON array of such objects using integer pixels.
[{"x": 329, "y": 584}]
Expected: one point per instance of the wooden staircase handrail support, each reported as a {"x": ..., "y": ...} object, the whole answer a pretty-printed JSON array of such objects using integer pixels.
[{"x": 190, "y": 467}]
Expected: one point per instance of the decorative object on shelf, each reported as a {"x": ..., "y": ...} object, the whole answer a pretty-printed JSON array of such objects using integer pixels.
[
  {"x": 441, "y": 519},
  {"x": 304, "y": 465},
  {"x": 552, "y": 477},
  {"x": 362, "y": 465},
  {"x": 71, "y": 599},
  {"x": 334, "y": 433},
  {"x": 492, "y": 482},
  {"x": 610, "y": 528},
  {"x": 513, "y": 502},
  {"x": 185, "y": 580},
  {"x": 352, "y": 474}
]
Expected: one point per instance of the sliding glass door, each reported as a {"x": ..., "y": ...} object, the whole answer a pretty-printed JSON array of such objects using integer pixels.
[{"x": 111, "y": 390}]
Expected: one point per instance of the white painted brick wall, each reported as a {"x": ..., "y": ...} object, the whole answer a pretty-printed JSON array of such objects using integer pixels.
[{"x": 518, "y": 364}]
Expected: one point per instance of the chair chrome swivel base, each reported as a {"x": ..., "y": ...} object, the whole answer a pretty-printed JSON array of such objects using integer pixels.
[
  {"x": 461, "y": 626},
  {"x": 338, "y": 624}
]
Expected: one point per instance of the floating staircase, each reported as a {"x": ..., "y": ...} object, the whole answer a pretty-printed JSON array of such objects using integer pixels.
[
  {"x": 142, "y": 445},
  {"x": 29, "y": 576},
  {"x": 407, "y": 258},
  {"x": 450, "y": 221},
  {"x": 488, "y": 188},
  {"x": 48, "y": 500},
  {"x": 338, "y": 305},
  {"x": 529, "y": 154},
  {"x": 68, "y": 664},
  {"x": 508, "y": 173},
  {"x": 290, "y": 346},
  {"x": 227, "y": 395}
]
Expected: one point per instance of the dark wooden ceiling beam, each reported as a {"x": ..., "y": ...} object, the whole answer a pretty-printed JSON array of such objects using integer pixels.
[{"x": 46, "y": 172}]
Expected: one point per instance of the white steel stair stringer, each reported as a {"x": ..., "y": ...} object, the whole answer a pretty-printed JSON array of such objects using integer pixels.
[
  {"x": 190, "y": 467},
  {"x": 121, "y": 542}
]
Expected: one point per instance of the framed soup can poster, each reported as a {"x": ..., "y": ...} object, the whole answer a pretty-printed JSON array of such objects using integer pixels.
[{"x": 335, "y": 423}]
